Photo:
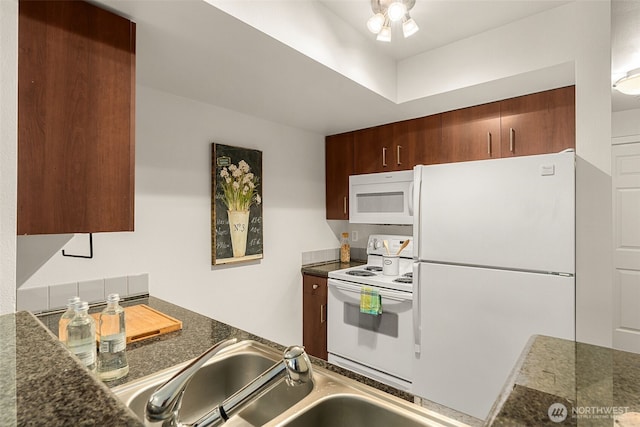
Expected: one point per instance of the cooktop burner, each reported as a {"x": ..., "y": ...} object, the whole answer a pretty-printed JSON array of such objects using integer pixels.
[
  {"x": 404, "y": 280},
  {"x": 409, "y": 274},
  {"x": 373, "y": 268},
  {"x": 360, "y": 273}
]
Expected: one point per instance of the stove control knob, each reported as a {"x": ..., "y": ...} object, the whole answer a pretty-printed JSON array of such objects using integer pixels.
[{"x": 377, "y": 244}]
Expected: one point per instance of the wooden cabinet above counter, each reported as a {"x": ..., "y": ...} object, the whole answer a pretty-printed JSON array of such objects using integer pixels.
[
  {"x": 538, "y": 123},
  {"x": 76, "y": 118}
]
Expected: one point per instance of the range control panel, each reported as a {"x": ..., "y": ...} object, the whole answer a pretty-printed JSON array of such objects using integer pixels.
[{"x": 375, "y": 245}]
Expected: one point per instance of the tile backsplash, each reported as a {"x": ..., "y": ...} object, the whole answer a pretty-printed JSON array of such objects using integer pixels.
[
  {"x": 330, "y": 255},
  {"x": 54, "y": 297}
]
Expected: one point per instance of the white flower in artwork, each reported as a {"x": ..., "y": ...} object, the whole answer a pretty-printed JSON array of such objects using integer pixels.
[
  {"x": 243, "y": 166},
  {"x": 239, "y": 186}
]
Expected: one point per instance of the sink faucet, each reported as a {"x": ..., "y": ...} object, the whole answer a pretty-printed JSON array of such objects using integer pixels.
[{"x": 164, "y": 404}]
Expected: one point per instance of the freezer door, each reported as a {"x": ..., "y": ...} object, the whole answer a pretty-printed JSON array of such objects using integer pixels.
[
  {"x": 516, "y": 213},
  {"x": 474, "y": 324}
]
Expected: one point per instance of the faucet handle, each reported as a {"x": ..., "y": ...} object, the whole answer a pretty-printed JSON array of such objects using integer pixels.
[{"x": 298, "y": 365}]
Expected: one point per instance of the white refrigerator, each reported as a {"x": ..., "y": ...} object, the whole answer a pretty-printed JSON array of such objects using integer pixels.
[{"x": 494, "y": 263}]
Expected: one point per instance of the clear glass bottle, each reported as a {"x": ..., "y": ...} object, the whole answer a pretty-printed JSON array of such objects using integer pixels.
[
  {"x": 345, "y": 249},
  {"x": 81, "y": 333},
  {"x": 66, "y": 318},
  {"x": 112, "y": 358}
]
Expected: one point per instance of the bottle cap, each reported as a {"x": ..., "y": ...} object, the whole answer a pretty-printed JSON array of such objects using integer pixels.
[
  {"x": 113, "y": 298},
  {"x": 73, "y": 301},
  {"x": 345, "y": 234},
  {"x": 82, "y": 305}
]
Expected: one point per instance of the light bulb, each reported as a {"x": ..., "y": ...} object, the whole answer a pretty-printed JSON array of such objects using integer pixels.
[
  {"x": 409, "y": 27},
  {"x": 375, "y": 23},
  {"x": 630, "y": 84},
  {"x": 396, "y": 10},
  {"x": 385, "y": 34}
]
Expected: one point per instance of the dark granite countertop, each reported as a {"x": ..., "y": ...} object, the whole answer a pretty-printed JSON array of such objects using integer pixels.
[
  {"x": 593, "y": 386},
  {"x": 43, "y": 385},
  {"x": 323, "y": 270}
]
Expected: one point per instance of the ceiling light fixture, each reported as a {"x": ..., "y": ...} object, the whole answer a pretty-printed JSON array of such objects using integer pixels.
[
  {"x": 388, "y": 11},
  {"x": 629, "y": 84}
]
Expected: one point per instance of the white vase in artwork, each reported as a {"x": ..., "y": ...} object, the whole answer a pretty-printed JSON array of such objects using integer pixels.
[{"x": 238, "y": 227}]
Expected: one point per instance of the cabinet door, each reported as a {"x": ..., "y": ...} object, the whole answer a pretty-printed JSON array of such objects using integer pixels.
[
  {"x": 471, "y": 134},
  {"x": 76, "y": 92},
  {"x": 314, "y": 309},
  {"x": 338, "y": 167},
  {"x": 538, "y": 123},
  {"x": 373, "y": 150},
  {"x": 418, "y": 141}
]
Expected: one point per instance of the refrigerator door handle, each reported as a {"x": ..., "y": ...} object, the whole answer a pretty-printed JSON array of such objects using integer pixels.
[
  {"x": 416, "y": 308},
  {"x": 417, "y": 189},
  {"x": 411, "y": 198}
]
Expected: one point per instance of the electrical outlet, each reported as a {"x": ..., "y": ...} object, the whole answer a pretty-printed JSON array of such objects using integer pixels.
[{"x": 354, "y": 236}]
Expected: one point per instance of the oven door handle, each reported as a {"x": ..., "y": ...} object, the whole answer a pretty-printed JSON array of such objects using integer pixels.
[{"x": 396, "y": 296}]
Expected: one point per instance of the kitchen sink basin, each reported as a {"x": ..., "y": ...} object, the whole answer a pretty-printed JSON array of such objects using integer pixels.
[
  {"x": 329, "y": 399},
  {"x": 353, "y": 410},
  {"x": 218, "y": 379}
]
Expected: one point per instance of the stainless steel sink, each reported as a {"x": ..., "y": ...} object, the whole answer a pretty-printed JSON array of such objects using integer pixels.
[
  {"x": 354, "y": 410},
  {"x": 218, "y": 379},
  {"x": 329, "y": 400}
]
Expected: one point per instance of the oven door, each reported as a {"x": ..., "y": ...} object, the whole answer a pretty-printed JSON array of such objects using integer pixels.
[{"x": 381, "y": 343}]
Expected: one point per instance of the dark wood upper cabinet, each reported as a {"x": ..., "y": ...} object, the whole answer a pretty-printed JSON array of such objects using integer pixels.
[
  {"x": 76, "y": 109},
  {"x": 420, "y": 141},
  {"x": 471, "y": 134},
  {"x": 539, "y": 123},
  {"x": 338, "y": 167},
  {"x": 374, "y": 150}
]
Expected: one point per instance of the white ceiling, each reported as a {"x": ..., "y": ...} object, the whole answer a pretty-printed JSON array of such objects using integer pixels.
[
  {"x": 193, "y": 49},
  {"x": 441, "y": 22}
]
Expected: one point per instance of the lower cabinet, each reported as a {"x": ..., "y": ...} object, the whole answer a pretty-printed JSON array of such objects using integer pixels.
[{"x": 314, "y": 315}]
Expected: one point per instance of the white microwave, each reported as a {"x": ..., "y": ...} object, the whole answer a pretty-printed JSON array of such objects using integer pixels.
[{"x": 381, "y": 198}]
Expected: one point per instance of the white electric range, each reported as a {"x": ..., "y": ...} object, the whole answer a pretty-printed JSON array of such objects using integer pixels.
[{"x": 377, "y": 346}]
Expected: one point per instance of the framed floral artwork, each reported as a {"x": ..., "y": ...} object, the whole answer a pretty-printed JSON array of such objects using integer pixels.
[{"x": 236, "y": 204}]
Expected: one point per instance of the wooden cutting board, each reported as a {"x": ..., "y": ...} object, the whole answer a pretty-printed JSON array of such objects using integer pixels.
[{"x": 144, "y": 322}]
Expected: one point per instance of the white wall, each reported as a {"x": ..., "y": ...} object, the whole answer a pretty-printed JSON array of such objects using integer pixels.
[
  {"x": 625, "y": 123},
  {"x": 172, "y": 230},
  {"x": 8, "y": 151}
]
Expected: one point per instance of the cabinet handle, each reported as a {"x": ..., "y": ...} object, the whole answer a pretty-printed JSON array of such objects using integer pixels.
[
  {"x": 323, "y": 308},
  {"x": 398, "y": 148},
  {"x": 344, "y": 204},
  {"x": 315, "y": 286},
  {"x": 512, "y": 137},
  {"x": 384, "y": 156},
  {"x": 489, "y": 143}
]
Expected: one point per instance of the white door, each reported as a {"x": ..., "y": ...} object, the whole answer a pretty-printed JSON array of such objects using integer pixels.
[
  {"x": 474, "y": 324},
  {"x": 381, "y": 342},
  {"x": 515, "y": 213},
  {"x": 626, "y": 257}
]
